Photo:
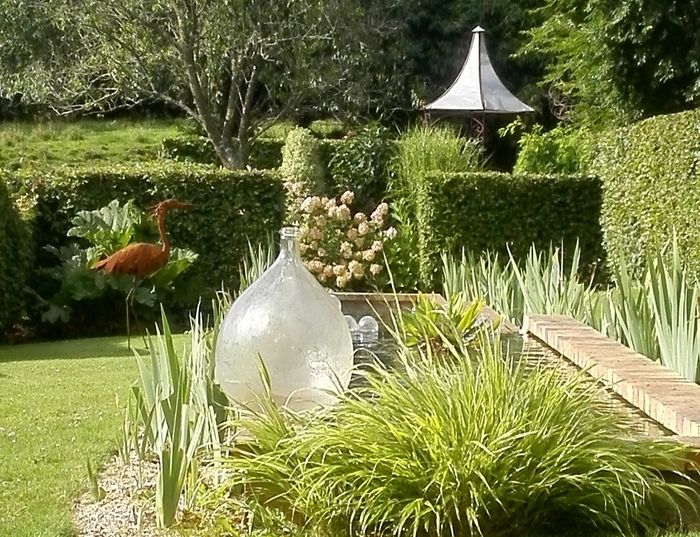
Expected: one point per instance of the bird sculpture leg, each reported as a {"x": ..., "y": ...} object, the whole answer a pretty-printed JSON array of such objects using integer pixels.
[{"x": 128, "y": 303}]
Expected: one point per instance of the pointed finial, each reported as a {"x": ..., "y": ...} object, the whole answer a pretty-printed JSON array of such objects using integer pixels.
[{"x": 478, "y": 29}]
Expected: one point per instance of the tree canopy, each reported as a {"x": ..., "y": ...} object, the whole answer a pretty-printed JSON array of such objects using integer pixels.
[
  {"x": 618, "y": 59},
  {"x": 234, "y": 66}
]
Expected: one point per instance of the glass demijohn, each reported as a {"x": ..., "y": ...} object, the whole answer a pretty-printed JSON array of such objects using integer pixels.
[{"x": 289, "y": 320}]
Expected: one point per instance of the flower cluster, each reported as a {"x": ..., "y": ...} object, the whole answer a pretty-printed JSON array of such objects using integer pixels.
[{"x": 340, "y": 248}]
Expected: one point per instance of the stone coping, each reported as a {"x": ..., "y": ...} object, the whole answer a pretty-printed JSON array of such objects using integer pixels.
[{"x": 662, "y": 394}]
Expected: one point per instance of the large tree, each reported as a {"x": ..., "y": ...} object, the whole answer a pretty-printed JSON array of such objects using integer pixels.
[{"x": 235, "y": 66}]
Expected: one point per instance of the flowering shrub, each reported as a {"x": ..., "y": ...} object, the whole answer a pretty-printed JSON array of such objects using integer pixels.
[{"x": 343, "y": 250}]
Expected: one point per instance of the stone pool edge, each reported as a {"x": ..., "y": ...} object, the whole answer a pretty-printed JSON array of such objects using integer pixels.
[{"x": 660, "y": 393}]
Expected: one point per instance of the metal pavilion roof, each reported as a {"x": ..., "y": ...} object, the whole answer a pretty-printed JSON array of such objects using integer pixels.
[{"x": 478, "y": 88}]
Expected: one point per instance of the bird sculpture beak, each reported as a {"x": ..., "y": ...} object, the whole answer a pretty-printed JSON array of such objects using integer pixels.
[{"x": 168, "y": 204}]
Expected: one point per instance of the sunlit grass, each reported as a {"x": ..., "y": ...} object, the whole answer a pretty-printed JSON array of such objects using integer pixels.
[
  {"x": 60, "y": 403},
  {"x": 55, "y": 143}
]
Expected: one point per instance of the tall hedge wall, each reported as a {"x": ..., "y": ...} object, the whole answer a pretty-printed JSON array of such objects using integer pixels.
[
  {"x": 651, "y": 186},
  {"x": 486, "y": 210},
  {"x": 15, "y": 257},
  {"x": 230, "y": 207}
]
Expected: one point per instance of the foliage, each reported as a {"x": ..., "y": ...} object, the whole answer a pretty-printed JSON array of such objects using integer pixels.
[
  {"x": 674, "y": 303},
  {"x": 540, "y": 286},
  {"x": 439, "y": 326},
  {"x": 340, "y": 249},
  {"x": 96, "y": 491},
  {"x": 233, "y": 67},
  {"x": 644, "y": 39},
  {"x": 485, "y": 276},
  {"x": 435, "y": 148},
  {"x": 481, "y": 211},
  {"x": 656, "y": 315},
  {"x": 302, "y": 169},
  {"x": 181, "y": 411},
  {"x": 651, "y": 187},
  {"x": 566, "y": 36},
  {"x": 107, "y": 230},
  {"x": 402, "y": 253},
  {"x": 328, "y": 128},
  {"x": 477, "y": 445},
  {"x": 420, "y": 151},
  {"x": 612, "y": 60},
  {"x": 188, "y": 147},
  {"x": 266, "y": 153},
  {"x": 15, "y": 258},
  {"x": 562, "y": 150},
  {"x": 230, "y": 208},
  {"x": 258, "y": 260},
  {"x": 360, "y": 163}
]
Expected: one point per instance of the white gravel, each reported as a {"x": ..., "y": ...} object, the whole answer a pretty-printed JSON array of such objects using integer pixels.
[{"x": 125, "y": 510}]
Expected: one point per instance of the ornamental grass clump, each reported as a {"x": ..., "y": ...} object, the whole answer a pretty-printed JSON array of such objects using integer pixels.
[
  {"x": 341, "y": 249},
  {"x": 474, "y": 446}
]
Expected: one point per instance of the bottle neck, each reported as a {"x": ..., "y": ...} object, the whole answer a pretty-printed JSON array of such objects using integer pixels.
[{"x": 289, "y": 242}]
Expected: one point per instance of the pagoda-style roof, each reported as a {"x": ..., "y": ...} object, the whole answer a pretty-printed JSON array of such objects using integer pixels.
[{"x": 478, "y": 88}]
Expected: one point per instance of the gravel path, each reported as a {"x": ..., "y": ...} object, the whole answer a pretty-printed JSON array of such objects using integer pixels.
[{"x": 124, "y": 511}]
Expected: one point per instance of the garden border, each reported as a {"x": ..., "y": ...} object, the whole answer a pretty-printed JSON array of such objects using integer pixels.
[{"x": 662, "y": 394}]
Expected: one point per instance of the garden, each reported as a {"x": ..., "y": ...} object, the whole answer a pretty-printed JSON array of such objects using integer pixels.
[{"x": 249, "y": 286}]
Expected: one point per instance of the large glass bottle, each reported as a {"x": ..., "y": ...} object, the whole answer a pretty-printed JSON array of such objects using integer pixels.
[{"x": 296, "y": 327}]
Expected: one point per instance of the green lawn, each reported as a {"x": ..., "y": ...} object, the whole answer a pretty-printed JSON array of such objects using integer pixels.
[
  {"x": 88, "y": 141},
  {"x": 60, "y": 403}
]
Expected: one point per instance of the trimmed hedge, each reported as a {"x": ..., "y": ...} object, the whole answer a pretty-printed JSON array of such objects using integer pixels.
[
  {"x": 302, "y": 161},
  {"x": 265, "y": 153},
  {"x": 488, "y": 210},
  {"x": 302, "y": 170},
  {"x": 651, "y": 186},
  {"x": 15, "y": 259},
  {"x": 230, "y": 208}
]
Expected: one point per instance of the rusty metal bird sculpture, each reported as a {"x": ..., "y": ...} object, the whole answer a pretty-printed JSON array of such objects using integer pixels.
[{"x": 142, "y": 259}]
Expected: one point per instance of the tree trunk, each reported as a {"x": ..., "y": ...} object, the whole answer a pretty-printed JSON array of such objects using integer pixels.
[
  {"x": 229, "y": 156},
  {"x": 244, "y": 126},
  {"x": 203, "y": 104}
]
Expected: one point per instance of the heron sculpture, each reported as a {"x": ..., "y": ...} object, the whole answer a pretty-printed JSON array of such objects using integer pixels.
[{"x": 141, "y": 259}]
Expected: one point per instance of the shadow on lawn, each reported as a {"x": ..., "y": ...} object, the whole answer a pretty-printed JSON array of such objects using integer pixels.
[{"x": 73, "y": 349}]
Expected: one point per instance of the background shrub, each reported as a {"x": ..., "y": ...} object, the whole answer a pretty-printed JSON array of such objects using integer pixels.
[
  {"x": 424, "y": 149},
  {"x": 15, "y": 258},
  {"x": 266, "y": 153},
  {"x": 230, "y": 208},
  {"x": 651, "y": 186},
  {"x": 481, "y": 211},
  {"x": 560, "y": 150},
  {"x": 359, "y": 162}
]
